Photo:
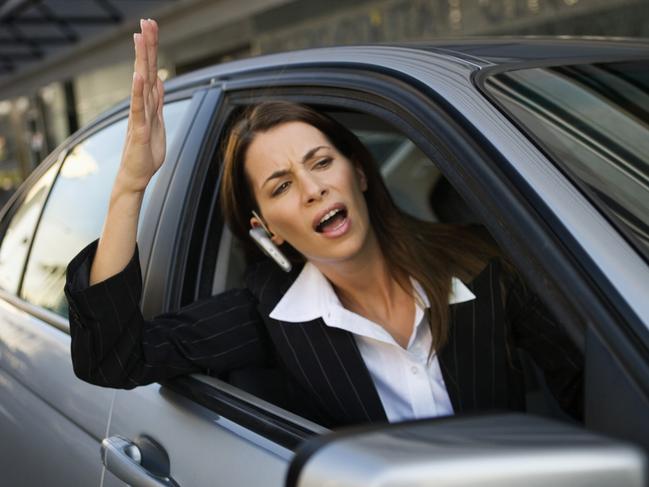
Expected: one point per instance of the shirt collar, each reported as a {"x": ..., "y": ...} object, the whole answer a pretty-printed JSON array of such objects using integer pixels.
[{"x": 311, "y": 296}]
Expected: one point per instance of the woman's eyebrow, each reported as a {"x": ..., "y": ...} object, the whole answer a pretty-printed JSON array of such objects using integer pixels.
[
  {"x": 283, "y": 172},
  {"x": 310, "y": 153},
  {"x": 275, "y": 175}
]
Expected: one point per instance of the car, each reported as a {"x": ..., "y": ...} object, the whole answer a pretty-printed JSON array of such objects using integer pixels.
[{"x": 544, "y": 142}]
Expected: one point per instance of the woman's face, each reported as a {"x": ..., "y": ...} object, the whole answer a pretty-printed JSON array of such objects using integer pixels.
[{"x": 309, "y": 194}]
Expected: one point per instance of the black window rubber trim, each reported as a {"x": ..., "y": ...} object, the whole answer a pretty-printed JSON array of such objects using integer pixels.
[{"x": 252, "y": 417}]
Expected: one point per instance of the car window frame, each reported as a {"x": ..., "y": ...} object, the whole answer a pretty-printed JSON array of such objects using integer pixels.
[
  {"x": 246, "y": 91},
  {"x": 353, "y": 97},
  {"x": 375, "y": 87}
]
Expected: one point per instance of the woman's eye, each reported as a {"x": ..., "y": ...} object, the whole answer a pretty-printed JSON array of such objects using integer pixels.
[
  {"x": 281, "y": 188},
  {"x": 322, "y": 162}
]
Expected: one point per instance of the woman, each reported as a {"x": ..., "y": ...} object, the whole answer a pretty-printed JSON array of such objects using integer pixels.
[{"x": 382, "y": 317}]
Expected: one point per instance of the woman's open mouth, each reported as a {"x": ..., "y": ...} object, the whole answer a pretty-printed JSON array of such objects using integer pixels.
[{"x": 334, "y": 222}]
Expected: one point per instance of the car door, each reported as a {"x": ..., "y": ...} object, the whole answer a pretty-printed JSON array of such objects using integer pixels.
[
  {"x": 179, "y": 430},
  {"x": 51, "y": 422}
]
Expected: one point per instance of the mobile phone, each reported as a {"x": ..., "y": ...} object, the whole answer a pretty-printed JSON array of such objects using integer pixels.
[{"x": 260, "y": 236}]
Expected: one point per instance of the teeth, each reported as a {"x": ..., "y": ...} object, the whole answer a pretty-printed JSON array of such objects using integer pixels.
[{"x": 329, "y": 215}]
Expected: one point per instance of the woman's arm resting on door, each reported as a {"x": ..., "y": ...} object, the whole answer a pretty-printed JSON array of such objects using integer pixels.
[{"x": 114, "y": 346}]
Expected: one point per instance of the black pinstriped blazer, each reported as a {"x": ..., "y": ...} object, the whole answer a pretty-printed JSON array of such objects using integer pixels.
[{"x": 316, "y": 369}]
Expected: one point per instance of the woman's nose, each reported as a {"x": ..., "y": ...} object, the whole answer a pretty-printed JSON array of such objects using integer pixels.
[{"x": 313, "y": 189}]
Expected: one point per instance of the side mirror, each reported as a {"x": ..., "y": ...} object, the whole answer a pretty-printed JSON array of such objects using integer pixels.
[{"x": 492, "y": 450}]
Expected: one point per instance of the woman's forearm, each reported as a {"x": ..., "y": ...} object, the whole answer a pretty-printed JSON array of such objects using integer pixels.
[{"x": 117, "y": 242}]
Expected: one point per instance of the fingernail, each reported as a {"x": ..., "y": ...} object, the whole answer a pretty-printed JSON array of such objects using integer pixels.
[{"x": 141, "y": 23}]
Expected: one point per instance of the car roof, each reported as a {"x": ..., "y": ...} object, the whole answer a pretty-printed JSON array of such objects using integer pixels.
[
  {"x": 476, "y": 52},
  {"x": 513, "y": 51},
  {"x": 470, "y": 53}
]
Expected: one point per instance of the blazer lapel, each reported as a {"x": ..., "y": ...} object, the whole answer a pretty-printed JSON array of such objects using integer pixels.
[
  {"x": 474, "y": 360},
  {"x": 323, "y": 360},
  {"x": 328, "y": 363}
]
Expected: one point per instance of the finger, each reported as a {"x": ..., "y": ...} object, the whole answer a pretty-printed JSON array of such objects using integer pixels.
[
  {"x": 151, "y": 38},
  {"x": 136, "y": 116},
  {"x": 141, "y": 58},
  {"x": 161, "y": 95},
  {"x": 128, "y": 126}
]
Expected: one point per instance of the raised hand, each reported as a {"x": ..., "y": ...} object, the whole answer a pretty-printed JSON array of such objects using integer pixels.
[
  {"x": 144, "y": 152},
  {"x": 145, "y": 146}
]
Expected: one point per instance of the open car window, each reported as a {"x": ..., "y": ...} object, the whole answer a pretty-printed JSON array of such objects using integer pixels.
[
  {"x": 416, "y": 185},
  {"x": 418, "y": 188}
]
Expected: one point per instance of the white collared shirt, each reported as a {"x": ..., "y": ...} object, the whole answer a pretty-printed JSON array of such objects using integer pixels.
[{"x": 409, "y": 385}]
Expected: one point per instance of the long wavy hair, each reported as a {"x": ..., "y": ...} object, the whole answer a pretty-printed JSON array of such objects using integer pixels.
[{"x": 432, "y": 253}]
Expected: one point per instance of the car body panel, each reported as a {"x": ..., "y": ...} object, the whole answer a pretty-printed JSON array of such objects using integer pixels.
[
  {"x": 39, "y": 443},
  {"x": 226, "y": 454},
  {"x": 40, "y": 394},
  {"x": 38, "y": 356}
]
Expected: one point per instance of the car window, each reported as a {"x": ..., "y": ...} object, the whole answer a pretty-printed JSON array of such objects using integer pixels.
[
  {"x": 593, "y": 120},
  {"x": 417, "y": 187},
  {"x": 18, "y": 237},
  {"x": 75, "y": 211}
]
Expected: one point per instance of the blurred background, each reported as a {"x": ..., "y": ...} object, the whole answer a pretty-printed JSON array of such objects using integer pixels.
[{"x": 62, "y": 62}]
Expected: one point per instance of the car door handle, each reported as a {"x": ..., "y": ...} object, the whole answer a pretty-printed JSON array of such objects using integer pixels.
[{"x": 122, "y": 458}]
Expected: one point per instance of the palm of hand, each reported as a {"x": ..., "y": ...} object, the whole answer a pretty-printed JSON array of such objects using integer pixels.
[{"x": 145, "y": 147}]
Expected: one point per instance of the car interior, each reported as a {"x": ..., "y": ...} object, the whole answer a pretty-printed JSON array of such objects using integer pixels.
[{"x": 418, "y": 188}]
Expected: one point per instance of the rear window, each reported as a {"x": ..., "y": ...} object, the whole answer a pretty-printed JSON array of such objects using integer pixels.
[{"x": 593, "y": 121}]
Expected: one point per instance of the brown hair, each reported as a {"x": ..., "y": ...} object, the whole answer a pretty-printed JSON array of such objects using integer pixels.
[{"x": 429, "y": 252}]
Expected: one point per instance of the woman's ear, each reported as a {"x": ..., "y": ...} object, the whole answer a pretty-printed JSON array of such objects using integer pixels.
[
  {"x": 256, "y": 221},
  {"x": 362, "y": 179}
]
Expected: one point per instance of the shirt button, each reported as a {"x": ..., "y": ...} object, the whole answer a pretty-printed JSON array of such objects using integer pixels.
[{"x": 414, "y": 369}]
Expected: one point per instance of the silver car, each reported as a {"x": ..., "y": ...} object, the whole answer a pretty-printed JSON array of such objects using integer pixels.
[{"x": 544, "y": 142}]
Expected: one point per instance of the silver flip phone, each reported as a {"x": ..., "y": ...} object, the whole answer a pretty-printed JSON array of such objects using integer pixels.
[{"x": 261, "y": 236}]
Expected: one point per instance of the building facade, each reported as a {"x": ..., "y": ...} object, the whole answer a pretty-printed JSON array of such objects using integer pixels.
[{"x": 45, "y": 100}]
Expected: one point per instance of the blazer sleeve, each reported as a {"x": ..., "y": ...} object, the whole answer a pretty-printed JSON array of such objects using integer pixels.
[
  {"x": 114, "y": 346},
  {"x": 534, "y": 329}
]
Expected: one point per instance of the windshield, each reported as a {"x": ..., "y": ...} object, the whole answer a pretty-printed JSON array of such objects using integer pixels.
[{"x": 593, "y": 120}]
